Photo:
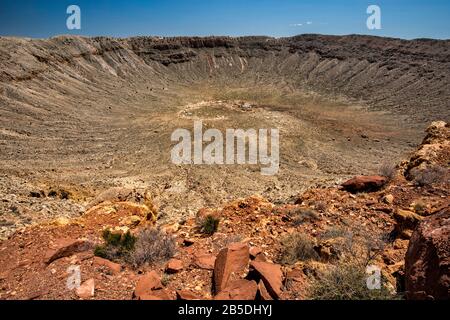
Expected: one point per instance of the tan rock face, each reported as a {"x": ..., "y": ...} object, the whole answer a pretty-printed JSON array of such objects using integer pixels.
[
  {"x": 388, "y": 199},
  {"x": 427, "y": 261},
  {"x": 271, "y": 275},
  {"x": 406, "y": 222},
  {"x": 435, "y": 149},
  {"x": 86, "y": 290},
  {"x": 238, "y": 290},
  {"x": 147, "y": 284},
  {"x": 233, "y": 259}
]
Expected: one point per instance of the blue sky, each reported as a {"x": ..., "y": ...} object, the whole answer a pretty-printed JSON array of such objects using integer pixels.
[{"x": 278, "y": 18}]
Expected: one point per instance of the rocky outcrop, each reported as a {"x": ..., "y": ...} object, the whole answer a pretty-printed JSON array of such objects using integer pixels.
[
  {"x": 433, "y": 152},
  {"x": 427, "y": 261},
  {"x": 405, "y": 222}
]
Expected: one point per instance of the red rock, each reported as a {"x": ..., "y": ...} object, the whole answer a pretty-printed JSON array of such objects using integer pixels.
[
  {"x": 149, "y": 296},
  {"x": 233, "y": 259},
  {"x": 254, "y": 252},
  {"x": 238, "y": 290},
  {"x": 66, "y": 248},
  {"x": 263, "y": 293},
  {"x": 156, "y": 295},
  {"x": 187, "y": 295},
  {"x": 364, "y": 183},
  {"x": 295, "y": 275},
  {"x": 204, "y": 261},
  {"x": 427, "y": 261},
  {"x": 147, "y": 284},
  {"x": 115, "y": 268},
  {"x": 271, "y": 275},
  {"x": 174, "y": 266},
  {"x": 260, "y": 257},
  {"x": 86, "y": 290}
]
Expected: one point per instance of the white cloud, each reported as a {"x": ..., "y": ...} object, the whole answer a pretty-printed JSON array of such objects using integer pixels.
[{"x": 301, "y": 24}]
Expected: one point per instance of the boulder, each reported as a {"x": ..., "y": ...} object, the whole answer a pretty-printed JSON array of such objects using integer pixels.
[
  {"x": 86, "y": 290},
  {"x": 231, "y": 260},
  {"x": 113, "y": 267},
  {"x": 147, "y": 284},
  {"x": 271, "y": 275},
  {"x": 364, "y": 184},
  {"x": 67, "y": 248},
  {"x": 427, "y": 261},
  {"x": 238, "y": 290},
  {"x": 204, "y": 261},
  {"x": 174, "y": 266}
]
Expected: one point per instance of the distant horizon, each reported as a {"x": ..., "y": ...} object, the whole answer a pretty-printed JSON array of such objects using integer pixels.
[
  {"x": 401, "y": 19},
  {"x": 222, "y": 36}
]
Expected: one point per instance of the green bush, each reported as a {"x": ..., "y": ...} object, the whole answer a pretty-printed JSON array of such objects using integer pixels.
[
  {"x": 116, "y": 245},
  {"x": 209, "y": 225}
]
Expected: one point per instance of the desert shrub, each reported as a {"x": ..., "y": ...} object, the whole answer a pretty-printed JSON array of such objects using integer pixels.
[
  {"x": 320, "y": 206},
  {"x": 297, "y": 247},
  {"x": 208, "y": 225},
  {"x": 387, "y": 170},
  {"x": 346, "y": 240},
  {"x": 347, "y": 281},
  {"x": 420, "y": 207},
  {"x": 300, "y": 216},
  {"x": 356, "y": 244},
  {"x": 152, "y": 246},
  {"x": 429, "y": 176},
  {"x": 116, "y": 246},
  {"x": 335, "y": 232},
  {"x": 165, "y": 279}
]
